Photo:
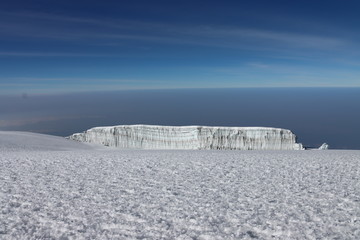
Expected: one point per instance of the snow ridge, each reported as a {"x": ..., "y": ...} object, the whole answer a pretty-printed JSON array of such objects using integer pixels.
[{"x": 190, "y": 137}]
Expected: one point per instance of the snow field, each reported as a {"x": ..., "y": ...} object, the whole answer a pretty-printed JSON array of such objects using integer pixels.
[
  {"x": 153, "y": 194},
  {"x": 26, "y": 141}
]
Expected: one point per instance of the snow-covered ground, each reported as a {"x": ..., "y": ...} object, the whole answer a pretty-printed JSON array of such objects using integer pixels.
[
  {"x": 27, "y": 141},
  {"x": 178, "y": 194}
]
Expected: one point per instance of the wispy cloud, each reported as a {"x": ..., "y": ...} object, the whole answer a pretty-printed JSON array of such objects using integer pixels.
[
  {"x": 73, "y": 80},
  {"x": 34, "y": 85},
  {"x": 21, "y": 121},
  {"x": 52, "y": 54},
  {"x": 110, "y": 30},
  {"x": 259, "y": 65},
  {"x": 294, "y": 39},
  {"x": 290, "y": 75},
  {"x": 122, "y": 38}
]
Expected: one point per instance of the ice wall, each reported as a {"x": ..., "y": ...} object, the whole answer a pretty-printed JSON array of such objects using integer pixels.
[{"x": 190, "y": 137}]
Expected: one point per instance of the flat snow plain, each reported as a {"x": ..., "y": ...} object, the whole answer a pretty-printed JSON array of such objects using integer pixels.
[{"x": 97, "y": 193}]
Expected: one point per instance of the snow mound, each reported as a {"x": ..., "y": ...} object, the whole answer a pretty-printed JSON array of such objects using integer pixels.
[
  {"x": 26, "y": 141},
  {"x": 190, "y": 137}
]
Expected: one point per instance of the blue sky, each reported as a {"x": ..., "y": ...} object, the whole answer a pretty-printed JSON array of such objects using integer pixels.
[{"x": 69, "y": 46}]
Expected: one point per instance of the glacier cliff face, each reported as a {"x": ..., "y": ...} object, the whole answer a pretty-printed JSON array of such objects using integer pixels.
[{"x": 190, "y": 137}]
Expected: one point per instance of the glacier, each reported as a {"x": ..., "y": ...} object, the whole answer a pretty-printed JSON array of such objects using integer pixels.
[{"x": 190, "y": 137}]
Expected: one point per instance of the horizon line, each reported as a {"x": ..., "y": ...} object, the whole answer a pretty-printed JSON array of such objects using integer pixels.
[{"x": 25, "y": 94}]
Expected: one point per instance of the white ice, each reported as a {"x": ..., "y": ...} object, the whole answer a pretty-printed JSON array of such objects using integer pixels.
[
  {"x": 178, "y": 194},
  {"x": 324, "y": 146},
  {"x": 190, "y": 137}
]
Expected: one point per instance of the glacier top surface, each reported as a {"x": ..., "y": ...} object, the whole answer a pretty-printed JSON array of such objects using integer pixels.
[{"x": 255, "y": 128}]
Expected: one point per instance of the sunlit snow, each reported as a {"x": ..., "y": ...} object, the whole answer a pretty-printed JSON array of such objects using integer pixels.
[{"x": 176, "y": 194}]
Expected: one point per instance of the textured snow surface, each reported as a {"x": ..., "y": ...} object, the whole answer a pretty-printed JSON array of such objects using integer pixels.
[
  {"x": 190, "y": 137},
  {"x": 27, "y": 141},
  {"x": 153, "y": 194}
]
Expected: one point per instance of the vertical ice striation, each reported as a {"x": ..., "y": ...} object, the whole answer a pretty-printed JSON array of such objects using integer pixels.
[{"x": 190, "y": 137}]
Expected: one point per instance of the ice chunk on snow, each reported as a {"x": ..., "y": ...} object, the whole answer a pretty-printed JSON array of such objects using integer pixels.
[
  {"x": 190, "y": 137},
  {"x": 324, "y": 146}
]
